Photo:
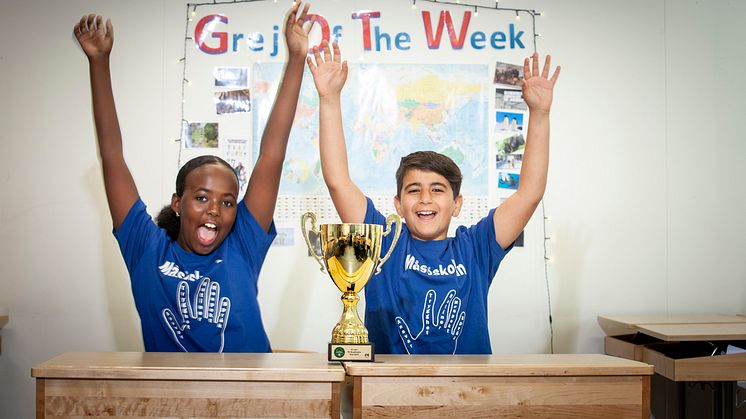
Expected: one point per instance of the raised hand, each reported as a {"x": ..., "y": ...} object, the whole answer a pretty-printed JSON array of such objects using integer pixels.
[
  {"x": 296, "y": 30},
  {"x": 537, "y": 87},
  {"x": 329, "y": 72},
  {"x": 95, "y": 38},
  {"x": 441, "y": 329},
  {"x": 206, "y": 316}
]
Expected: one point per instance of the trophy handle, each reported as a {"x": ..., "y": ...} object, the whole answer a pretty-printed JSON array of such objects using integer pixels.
[
  {"x": 304, "y": 231},
  {"x": 391, "y": 219}
]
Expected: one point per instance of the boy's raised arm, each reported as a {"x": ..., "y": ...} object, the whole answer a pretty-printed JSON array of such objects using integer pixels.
[
  {"x": 513, "y": 215},
  {"x": 329, "y": 76},
  {"x": 264, "y": 183},
  {"x": 97, "y": 41}
]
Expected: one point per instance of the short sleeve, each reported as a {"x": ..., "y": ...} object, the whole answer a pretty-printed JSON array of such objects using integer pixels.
[
  {"x": 251, "y": 237},
  {"x": 136, "y": 234},
  {"x": 372, "y": 215},
  {"x": 487, "y": 250}
]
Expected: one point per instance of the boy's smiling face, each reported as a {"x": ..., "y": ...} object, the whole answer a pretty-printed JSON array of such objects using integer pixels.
[{"x": 426, "y": 203}]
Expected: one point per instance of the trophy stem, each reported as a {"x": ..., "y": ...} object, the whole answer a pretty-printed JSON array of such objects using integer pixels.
[{"x": 350, "y": 328}]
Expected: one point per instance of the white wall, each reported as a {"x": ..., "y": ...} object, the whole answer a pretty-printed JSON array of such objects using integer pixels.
[{"x": 644, "y": 196}]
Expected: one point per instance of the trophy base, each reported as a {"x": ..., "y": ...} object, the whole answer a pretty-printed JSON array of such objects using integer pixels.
[{"x": 352, "y": 352}]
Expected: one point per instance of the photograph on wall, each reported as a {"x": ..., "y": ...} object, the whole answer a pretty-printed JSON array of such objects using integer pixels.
[
  {"x": 509, "y": 140},
  {"x": 285, "y": 237},
  {"x": 236, "y": 153},
  {"x": 509, "y": 121},
  {"x": 509, "y": 99},
  {"x": 231, "y": 77},
  {"x": 511, "y": 161},
  {"x": 507, "y": 180},
  {"x": 233, "y": 101},
  {"x": 508, "y": 74},
  {"x": 200, "y": 135}
]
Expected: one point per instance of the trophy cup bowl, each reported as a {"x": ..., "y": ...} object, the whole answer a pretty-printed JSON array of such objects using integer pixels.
[{"x": 349, "y": 253}]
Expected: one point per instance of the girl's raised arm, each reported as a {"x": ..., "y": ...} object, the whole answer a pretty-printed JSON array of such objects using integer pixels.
[
  {"x": 261, "y": 193},
  {"x": 97, "y": 39}
]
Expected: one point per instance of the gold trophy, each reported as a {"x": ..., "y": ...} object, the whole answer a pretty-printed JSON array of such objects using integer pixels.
[{"x": 349, "y": 253}]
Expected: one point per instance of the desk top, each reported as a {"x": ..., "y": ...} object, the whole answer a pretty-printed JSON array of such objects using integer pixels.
[
  {"x": 696, "y": 332},
  {"x": 191, "y": 366},
  {"x": 629, "y": 324},
  {"x": 538, "y": 365}
]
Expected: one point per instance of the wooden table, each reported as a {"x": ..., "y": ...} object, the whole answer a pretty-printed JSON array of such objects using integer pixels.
[
  {"x": 682, "y": 348},
  {"x": 500, "y": 386},
  {"x": 628, "y": 324},
  {"x": 126, "y": 384}
]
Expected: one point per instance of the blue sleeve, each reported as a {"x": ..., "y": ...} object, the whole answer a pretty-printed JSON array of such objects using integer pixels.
[
  {"x": 136, "y": 234},
  {"x": 487, "y": 251},
  {"x": 251, "y": 237},
  {"x": 372, "y": 215}
]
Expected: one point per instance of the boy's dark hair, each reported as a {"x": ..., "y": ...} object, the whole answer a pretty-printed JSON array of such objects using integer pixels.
[
  {"x": 167, "y": 218},
  {"x": 429, "y": 161}
]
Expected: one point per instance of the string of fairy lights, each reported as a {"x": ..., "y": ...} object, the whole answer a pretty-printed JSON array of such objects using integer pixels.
[{"x": 191, "y": 12}]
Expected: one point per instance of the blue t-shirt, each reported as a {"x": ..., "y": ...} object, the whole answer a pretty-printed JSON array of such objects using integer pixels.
[
  {"x": 431, "y": 296},
  {"x": 194, "y": 303}
]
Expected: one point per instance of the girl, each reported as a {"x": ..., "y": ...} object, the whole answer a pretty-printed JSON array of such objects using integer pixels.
[{"x": 194, "y": 276}]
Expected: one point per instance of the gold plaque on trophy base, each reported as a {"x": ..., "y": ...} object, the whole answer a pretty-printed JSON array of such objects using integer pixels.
[{"x": 352, "y": 352}]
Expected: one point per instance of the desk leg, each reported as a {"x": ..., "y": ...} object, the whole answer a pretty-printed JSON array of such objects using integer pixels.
[
  {"x": 645, "y": 397},
  {"x": 336, "y": 400},
  {"x": 40, "y": 398},
  {"x": 357, "y": 397}
]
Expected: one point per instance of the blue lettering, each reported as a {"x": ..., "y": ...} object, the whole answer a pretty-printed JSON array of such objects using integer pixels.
[
  {"x": 274, "y": 41},
  {"x": 515, "y": 39},
  {"x": 478, "y": 37},
  {"x": 402, "y": 40},
  {"x": 498, "y": 37},
  {"x": 236, "y": 37},
  {"x": 255, "y": 41},
  {"x": 337, "y": 33},
  {"x": 383, "y": 36}
]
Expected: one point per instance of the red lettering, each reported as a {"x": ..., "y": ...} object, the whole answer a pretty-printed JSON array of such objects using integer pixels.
[
  {"x": 200, "y": 33},
  {"x": 433, "y": 42},
  {"x": 365, "y": 16},
  {"x": 324, "y": 26}
]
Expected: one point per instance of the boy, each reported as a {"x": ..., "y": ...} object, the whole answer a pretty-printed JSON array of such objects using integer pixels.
[{"x": 431, "y": 296}]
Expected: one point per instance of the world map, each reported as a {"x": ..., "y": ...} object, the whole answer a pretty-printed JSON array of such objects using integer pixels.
[{"x": 389, "y": 111}]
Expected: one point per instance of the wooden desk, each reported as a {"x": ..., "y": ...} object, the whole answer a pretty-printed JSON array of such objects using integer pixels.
[
  {"x": 628, "y": 324},
  {"x": 683, "y": 349},
  {"x": 126, "y": 384},
  {"x": 500, "y": 386},
  {"x": 677, "y": 345}
]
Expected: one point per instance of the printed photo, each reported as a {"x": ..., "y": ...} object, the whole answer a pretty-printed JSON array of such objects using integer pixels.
[
  {"x": 235, "y": 77},
  {"x": 200, "y": 135},
  {"x": 508, "y": 74},
  {"x": 233, "y": 101},
  {"x": 507, "y": 180},
  {"x": 510, "y": 161},
  {"x": 236, "y": 153},
  {"x": 285, "y": 237},
  {"x": 509, "y": 99},
  {"x": 509, "y": 121},
  {"x": 509, "y": 145}
]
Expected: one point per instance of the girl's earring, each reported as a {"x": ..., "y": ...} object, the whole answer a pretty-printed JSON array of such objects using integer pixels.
[{"x": 178, "y": 215}]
